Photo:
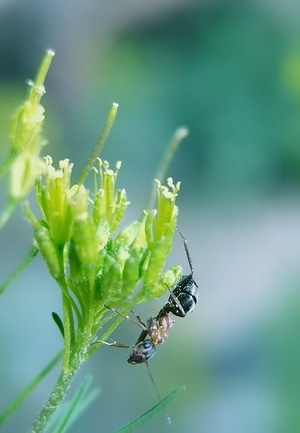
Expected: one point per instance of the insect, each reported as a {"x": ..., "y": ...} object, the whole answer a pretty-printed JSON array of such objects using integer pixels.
[{"x": 182, "y": 300}]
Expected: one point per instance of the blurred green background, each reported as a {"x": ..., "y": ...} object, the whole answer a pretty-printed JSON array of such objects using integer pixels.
[{"x": 230, "y": 72}]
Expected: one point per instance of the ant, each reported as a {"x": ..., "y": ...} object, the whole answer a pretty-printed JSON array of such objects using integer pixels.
[{"x": 182, "y": 300}]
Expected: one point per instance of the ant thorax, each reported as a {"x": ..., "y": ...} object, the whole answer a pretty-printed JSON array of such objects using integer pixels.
[{"x": 158, "y": 328}]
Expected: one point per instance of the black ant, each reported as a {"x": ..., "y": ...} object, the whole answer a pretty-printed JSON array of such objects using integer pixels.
[{"x": 182, "y": 300}]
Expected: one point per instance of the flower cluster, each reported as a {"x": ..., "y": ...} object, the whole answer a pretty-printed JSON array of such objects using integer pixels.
[
  {"x": 93, "y": 266},
  {"x": 100, "y": 266}
]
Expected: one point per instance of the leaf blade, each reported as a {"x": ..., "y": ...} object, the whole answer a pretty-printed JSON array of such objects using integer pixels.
[{"x": 145, "y": 417}]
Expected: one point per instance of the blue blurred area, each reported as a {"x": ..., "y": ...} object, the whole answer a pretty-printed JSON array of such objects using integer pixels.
[{"x": 230, "y": 72}]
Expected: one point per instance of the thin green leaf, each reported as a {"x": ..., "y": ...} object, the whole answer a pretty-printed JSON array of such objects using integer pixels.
[
  {"x": 141, "y": 420},
  {"x": 72, "y": 409},
  {"x": 58, "y": 322},
  {"x": 27, "y": 260},
  {"x": 29, "y": 388}
]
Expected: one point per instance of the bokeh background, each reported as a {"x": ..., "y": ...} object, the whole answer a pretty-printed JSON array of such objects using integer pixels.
[{"x": 230, "y": 72}]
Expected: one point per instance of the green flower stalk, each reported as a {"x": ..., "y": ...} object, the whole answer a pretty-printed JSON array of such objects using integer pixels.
[
  {"x": 94, "y": 266},
  {"x": 26, "y": 135},
  {"x": 26, "y": 142}
]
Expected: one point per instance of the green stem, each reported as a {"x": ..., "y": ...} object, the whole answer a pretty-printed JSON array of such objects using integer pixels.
[
  {"x": 37, "y": 90},
  {"x": 100, "y": 143},
  {"x": 75, "y": 359},
  {"x": 179, "y": 135},
  {"x": 29, "y": 388},
  {"x": 79, "y": 354},
  {"x": 26, "y": 261},
  {"x": 43, "y": 70},
  {"x": 69, "y": 332},
  {"x": 57, "y": 396},
  {"x": 7, "y": 213},
  {"x": 177, "y": 138},
  {"x": 103, "y": 337},
  {"x": 5, "y": 167}
]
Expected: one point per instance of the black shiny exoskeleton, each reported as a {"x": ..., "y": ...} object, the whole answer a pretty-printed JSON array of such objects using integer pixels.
[
  {"x": 184, "y": 297},
  {"x": 182, "y": 300}
]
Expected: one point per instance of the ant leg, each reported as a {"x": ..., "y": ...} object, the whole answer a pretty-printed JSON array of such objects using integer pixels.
[
  {"x": 177, "y": 303},
  {"x": 114, "y": 344},
  {"x": 142, "y": 336},
  {"x": 139, "y": 322},
  {"x": 117, "y": 312},
  {"x": 172, "y": 301},
  {"x": 144, "y": 332}
]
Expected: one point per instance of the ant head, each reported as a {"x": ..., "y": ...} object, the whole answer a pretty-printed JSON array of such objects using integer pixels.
[{"x": 142, "y": 352}]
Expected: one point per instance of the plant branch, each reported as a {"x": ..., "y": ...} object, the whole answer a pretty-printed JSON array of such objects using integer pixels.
[
  {"x": 5, "y": 167},
  {"x": 23, "y": 265},
  {"x": 57, "y": 396},
  {"x": 179, "y": 135},
  {"x": 29, "y": 388},
  {"x": 99, "y": 146},
  {"x": 8, "y": 211}
]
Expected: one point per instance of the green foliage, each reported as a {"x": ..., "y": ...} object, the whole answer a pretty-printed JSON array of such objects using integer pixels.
[
  {"x": 75, "y": 233},
  {"x": 142, "y": 419},
  {"x": 26, "y": 142},
  {"x": 71, "y": 410}
]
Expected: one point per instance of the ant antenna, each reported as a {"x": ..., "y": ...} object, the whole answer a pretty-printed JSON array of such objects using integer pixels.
[
  {"x": 157, "y": 393},
  {"x": 186, "y": 251}
]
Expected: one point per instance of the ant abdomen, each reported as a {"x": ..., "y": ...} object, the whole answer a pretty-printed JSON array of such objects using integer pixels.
[{"x": 182, "y": 299}]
